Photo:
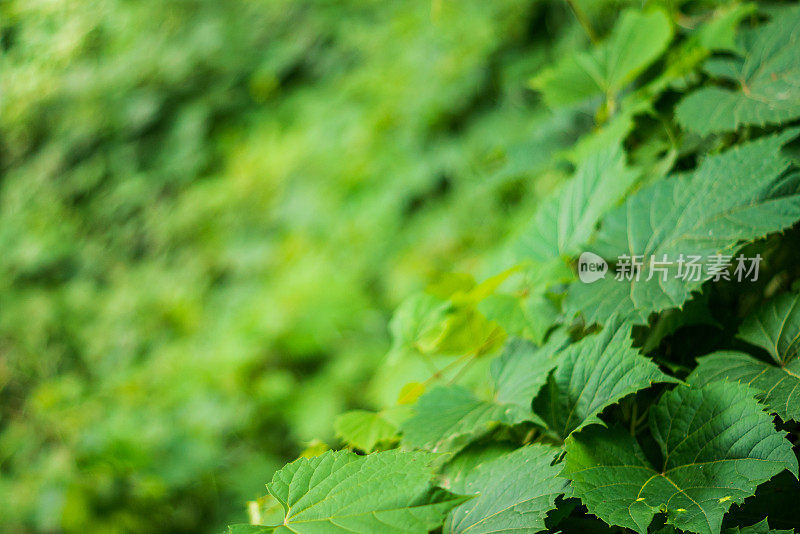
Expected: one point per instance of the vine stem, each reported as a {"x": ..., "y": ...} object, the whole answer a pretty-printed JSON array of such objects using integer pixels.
[{"x": 583, "y": 20}]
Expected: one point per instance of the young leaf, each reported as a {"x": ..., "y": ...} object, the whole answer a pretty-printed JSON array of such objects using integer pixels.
[
  {"x": 341, "y": 492},
  {"x": 364, "y": 429},
  {"x": 637, "y": 40},
  {"x": 717, "y": 446},
  {"x": 732, "y": 198},
  {"x": 591, "y": 375},
  {"x": 515, "y": 492},
  {"x": 768, "y": 80}
]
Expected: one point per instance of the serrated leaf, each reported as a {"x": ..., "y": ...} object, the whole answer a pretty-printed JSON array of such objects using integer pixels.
[
  {"x": 762, "y": 527},
  {"x": 566, "y": 220},
  {"x": 732, "y": 198},
  {"x": 342, "y": 492},
  {"x": 778, "y": 387},
  {"x": 522, "y": 369},
  {"x": 515, "y": 492},
  {"x": 776, "y": 500},
  {"x": 717, "y": 445},
  {"x": 775, "y": 327},
  {"x": 768, "y": 79},
  {"x": 638, "y": 39},
  {"x": 448, "y": 418},
  {"x": 591, "y": 375}
]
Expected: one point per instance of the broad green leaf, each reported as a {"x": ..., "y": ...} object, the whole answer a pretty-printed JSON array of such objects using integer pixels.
[
  {"x": 522, "y": 369},
  {"x": 767, "y": 79},
  {"x": 730, "y": 199},
  {"x": 515, "y": 492},
  {"x": 364, "y": 429},
  {"x": 591, "y": 375},
  {"x": 566, "y": 220},
  {"x": 717, "y": 445},
  {"x": 342, "y": 492},
  {"x": 448, "y": 418},
  {"x": 638, "y": 39},
  {"x": 530, "y": 316},
  {"x": 466, "y": 461},
  {"x": 775, "y": 327},
  {"x": 778, "y": 387}
]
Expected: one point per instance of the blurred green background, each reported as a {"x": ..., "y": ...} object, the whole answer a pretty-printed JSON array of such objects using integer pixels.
[{"x": 208, "y": 211}]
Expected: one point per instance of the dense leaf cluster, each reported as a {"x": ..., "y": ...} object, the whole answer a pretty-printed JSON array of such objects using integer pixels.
[{"x": 533, "y": 401}]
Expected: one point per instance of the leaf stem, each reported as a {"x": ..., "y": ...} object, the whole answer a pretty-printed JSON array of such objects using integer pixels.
[{"x": 583, "y": 20}]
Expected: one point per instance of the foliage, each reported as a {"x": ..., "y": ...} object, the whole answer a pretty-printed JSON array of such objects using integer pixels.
[
  {"x": 656, "y": 402},
  {"x": 208, "y": 211}
]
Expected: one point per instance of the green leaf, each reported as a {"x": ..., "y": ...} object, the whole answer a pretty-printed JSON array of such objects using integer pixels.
[
  {"x": 416, "y": 320},
  {"x": 515, "y": 492},
  {"x": 448, "y": 418},
  {"x": 775, "y": 327},
  {"x": 762, "y": 527},
  {"x": 778, "y": 387},
  {"x": 637, "y": 40},
  {"x": 776, "y": 500},
  {"x": 342, "y": 492},
  {"x": 363, "y": 429},
  {"x": 767, "y": 79},
  {"x": 591, "y": 375},
  {"x": 717, "y": 445},
  {"x": 566, "y": 221},
  {"x": 730, "y": 199},
  {"x": 522, "y": 369},
  {"x": 466, "y": 461},
  {"x": 719, "y": 33}
]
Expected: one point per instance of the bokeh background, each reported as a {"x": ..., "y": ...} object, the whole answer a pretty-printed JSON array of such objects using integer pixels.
[{"x": 209, "y": 210}]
